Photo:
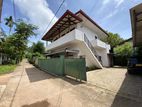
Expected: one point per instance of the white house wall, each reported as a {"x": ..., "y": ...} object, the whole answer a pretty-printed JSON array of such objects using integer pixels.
[
  {"x": 85, "y": 51},
  {"x": 92, "y": 27},
  {"x": 104, "y": 57},
  {"x": 74, "y": 40},
  {"x": 89, "y": 33}
]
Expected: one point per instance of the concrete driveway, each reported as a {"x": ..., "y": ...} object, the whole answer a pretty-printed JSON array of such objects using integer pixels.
[
  {"x": 30, "y": 87},
  {"x": 117, "y": 80}
]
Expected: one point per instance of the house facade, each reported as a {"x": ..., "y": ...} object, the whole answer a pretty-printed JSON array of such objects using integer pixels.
[{"x": 77, "y": 35}]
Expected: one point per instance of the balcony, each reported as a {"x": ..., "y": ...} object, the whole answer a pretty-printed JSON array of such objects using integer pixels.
[
  {"x": 67, "y": 38},
  {"x": 100, "y": 44}
]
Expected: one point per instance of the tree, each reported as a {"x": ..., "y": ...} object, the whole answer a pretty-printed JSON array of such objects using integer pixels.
[
  {"x": 122, "y": 53},
  {"x": 125, "y": 49},
  {"x": 16, "y": 44},
  {"x": 9, "y": 22},
  {"x": 113, "y": 39},
  {"x": 38, "y": 47},
  {"x": 35, "y": 51}
]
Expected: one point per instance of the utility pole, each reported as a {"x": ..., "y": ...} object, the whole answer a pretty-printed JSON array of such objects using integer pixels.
[{"x": 1, "y": 3}]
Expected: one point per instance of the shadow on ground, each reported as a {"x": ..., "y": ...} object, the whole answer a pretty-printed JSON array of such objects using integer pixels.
[
  {"x": 130, "y": 93},
  {"x": 35, "y": 75},
  {"x": 43, "y": 103}
]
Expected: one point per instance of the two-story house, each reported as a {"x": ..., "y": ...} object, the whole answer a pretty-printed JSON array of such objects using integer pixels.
[{"x": 77, "y": 35}]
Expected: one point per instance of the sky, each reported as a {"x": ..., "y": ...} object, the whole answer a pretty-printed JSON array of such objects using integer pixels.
[{"x": 112, "y": 15}]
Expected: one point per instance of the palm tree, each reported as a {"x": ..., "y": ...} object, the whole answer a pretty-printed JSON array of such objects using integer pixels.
[{"x": 9, "y": 22}]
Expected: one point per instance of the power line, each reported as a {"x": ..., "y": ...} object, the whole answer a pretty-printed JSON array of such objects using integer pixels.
[
  {"x": 54, "y": 16},
  {"x": 14, "y": 12}
]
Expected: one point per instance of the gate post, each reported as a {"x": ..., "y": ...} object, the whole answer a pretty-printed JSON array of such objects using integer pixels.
[{"x": 62, "y": 57}]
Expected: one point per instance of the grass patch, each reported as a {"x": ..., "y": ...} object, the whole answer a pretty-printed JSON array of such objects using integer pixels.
[{"x": 6, "y": 69}]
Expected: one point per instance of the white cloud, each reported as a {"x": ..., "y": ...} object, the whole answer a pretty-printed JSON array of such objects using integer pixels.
[
  {"x": 37, "y": 12},
  {"x": 119, "y": 2},
  {"x": 111, "y": 14},
  {"x": 106, "y": 2}
]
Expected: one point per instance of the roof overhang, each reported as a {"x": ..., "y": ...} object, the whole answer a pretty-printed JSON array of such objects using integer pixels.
[
  {"x": 136, "y": 21},
  {"x": 92, "y": 21},
  {"x": 67, "y": 19}
]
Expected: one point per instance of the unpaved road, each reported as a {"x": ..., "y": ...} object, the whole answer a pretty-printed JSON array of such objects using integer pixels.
[{"x": 30, "y": 87}]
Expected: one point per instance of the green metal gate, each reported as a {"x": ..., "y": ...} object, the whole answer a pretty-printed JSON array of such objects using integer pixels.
[
  {"x": 53, "y": 65},
  {"x": 75, "y": 67}
]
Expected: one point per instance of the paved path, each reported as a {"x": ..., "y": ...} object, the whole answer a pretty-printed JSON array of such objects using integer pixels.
[
  {"x": 30, "y": 87},
  {"x": 117, "y": 80},
  {"x": 3, "y": 82}
]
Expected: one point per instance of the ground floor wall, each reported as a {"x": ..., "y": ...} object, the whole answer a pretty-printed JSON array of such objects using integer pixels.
[
  {"x": 83, "y": 51},
  {"x": 104, "y": 57}
]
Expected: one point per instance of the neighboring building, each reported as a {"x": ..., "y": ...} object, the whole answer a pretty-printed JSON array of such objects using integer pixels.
[
  {"x": 136, "y": 22},
  {"x": 77, "y": 35}
]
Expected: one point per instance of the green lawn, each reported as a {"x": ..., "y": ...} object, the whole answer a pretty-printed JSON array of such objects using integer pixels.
[{"x": 6, "y": 68}]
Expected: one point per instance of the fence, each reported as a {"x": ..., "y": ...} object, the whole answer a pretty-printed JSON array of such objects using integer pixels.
[
  {"x": 53, "y": 66},
  {"x": 74, "y": 67}
]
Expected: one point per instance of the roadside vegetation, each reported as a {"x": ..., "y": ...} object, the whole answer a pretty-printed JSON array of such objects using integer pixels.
[
  {"x": 16, "y": 42},
  {"x": 6, "y": 69},
  {"x": 121, "y": 52},
  {"x": 15, "y": 45},
  {"x": 113, "y": 39},
  {"x": 35, "y": 52}
]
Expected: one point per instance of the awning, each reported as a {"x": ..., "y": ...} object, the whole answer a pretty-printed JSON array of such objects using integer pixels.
[{"x": 68, "y": 19}]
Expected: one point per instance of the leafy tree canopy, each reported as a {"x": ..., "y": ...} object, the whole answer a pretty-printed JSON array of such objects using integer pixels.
[
  {"x": 113, "y": 39},
  {"x": 124, "y": 50},
  {"x": 37, "y": 47},
  {"x": 16, "y": 43}
]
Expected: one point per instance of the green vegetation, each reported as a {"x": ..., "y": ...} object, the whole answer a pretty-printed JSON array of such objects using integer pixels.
[
  {"x": 35, "y": 51},
  {"x": 9, "y": 22},
  {"x": 6, "y": 68},
  {"x": 113, "y": 39},
  {"x": 122, "y": 53},
  {"x": 15, "y": 44},
  {"x": 37, "y": 47},
  {"x": 125, "y": 49}
]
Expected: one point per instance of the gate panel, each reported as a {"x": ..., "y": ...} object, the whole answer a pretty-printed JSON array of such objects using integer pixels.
[
  {"x": 75, "y": 67},
  {"x": 53, "y": 66}
]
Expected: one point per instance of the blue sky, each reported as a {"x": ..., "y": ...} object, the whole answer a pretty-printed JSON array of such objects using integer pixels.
[{"x": 111, "y": 15}]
